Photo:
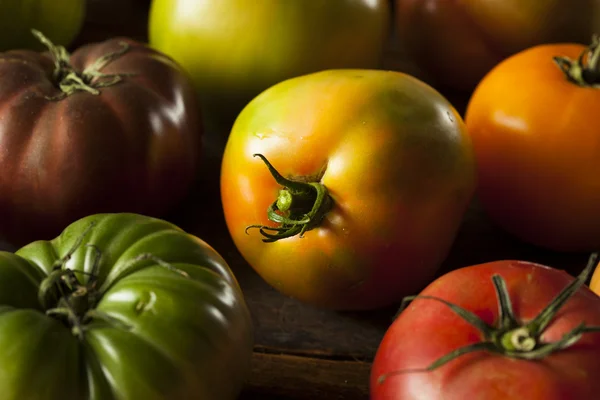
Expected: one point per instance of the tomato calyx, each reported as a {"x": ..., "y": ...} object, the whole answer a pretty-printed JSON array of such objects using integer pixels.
[
  {"x": 300, "y": 207},
  {"x": 585, "y": 71},
  {"x": 64, "y": 296},
  {"x": 511, "y": 337},
  {"x": 69, "y": 81}
]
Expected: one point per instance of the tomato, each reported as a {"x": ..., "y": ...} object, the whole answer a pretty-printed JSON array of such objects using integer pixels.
[
  {"x": 234, "y": 49},
  {"x": 126, "y": 138},
  {"x": 121, "y": 306},
  {"x": 537, "y": 147},
  {"x": 595, "y": 281},
  {"x": 457, "y": 42},
  {"x": 60, "y": 21},
  {"x": 480, "y": 333},
  {"x": 376, "y": 173}
]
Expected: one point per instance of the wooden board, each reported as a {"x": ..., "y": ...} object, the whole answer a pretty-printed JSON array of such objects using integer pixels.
[{"x": 302, "y": 352}]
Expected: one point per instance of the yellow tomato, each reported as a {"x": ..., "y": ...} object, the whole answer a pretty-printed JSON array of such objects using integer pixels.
[{"x": 234, "y": 49}]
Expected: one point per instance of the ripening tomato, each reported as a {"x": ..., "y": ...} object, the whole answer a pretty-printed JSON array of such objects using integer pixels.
[
  {"x": 534, "y": 125},
  {"x": 357, "y": 180},
  {"x": 494, "y": 331},
  {"x": 235, "y": 49},
  {"x": 458, "y": 42}
]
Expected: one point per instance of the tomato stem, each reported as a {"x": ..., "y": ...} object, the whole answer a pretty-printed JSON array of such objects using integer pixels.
[
  {"x": 299, "y": 207},
  {"x": 63, "y": 296},
  {"x": 585, "y": 71},
  {"x": 60, "y": 280},
  {"x": 520, "y": 339},
  {"x": 69, "y": 81},
  {"x": 510, "y": 337}
]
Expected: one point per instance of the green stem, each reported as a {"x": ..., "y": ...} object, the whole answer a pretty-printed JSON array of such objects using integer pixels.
[
  {"x": 585, "y": 71},
  {"x": 70, "y": 81},
  {"x": 520, "y": 339},
  {"x": 506, "y": 314},
  {"x": 63, "y": 296},
  {"x": 511, "y": 338},
  {"x": 299, "y": 207},
  {"x": 53, "y": 287}
]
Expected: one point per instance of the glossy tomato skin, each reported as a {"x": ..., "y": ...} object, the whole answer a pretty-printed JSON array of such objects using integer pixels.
[
  {"x": 235, "y": 49},
  {"x": 455, "y": 43},
  {"x": 537, "y": 150},
  {"x": 185, "y": 337},
  {"x": 595, "y": 281},
  {"x": 132, "y": 147},
  {"x": 397, "y": 162},
  {"x": 427, "y": 330},
  {"x": 61, "y": 21}
]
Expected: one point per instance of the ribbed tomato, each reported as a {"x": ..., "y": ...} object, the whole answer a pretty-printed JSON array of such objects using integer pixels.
[
  {"x": 121, "y": 306},
  {"x": 113, "y": 127}
]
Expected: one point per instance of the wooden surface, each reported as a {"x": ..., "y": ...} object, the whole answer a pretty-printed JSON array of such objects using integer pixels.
[{"x": 302, "y": 352}]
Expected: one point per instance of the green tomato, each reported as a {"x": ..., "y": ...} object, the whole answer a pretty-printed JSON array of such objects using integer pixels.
[
  {"x": 235, "y": 49},
  {"x": 60, "y": 21},
  {"x": 121, "y": 306}
]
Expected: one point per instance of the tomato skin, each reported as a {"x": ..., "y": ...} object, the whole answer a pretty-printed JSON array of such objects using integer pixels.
[
  {"x": 116, "y": 151},
  {"x": 427, "y": 330},
  {"x": 595, "y": 281},
  {"x": 537, "y": 150},
  {"x": 187, "y": 337},
  {"x": 60, "y": 21},
  {"x": 235, "y": 49},
  {"x": 457, "y": 42},
  {"x": 397, "y": 162}
]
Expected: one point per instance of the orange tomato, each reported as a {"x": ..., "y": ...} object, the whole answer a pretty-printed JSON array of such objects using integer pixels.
[
  {"x": 534, "y": 124},
  {"x": 595, "y": 282},
  {"x": 394, "y": 158}
]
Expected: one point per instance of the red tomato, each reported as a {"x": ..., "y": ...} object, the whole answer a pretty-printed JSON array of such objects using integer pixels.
[
  {"x": 534, "y": 126},
  {"x": 512, "y": 362},
  {"x": 458, "y": 42},
  {"x": 394, "y": 163}
]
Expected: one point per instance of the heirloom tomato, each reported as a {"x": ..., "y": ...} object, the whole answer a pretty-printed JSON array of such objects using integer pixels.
[
  {"x": 60, "y": 20},
  {"x": 345, "y": 188},
  {"x": 234, "y": 49},
  {"x": 457, "y": 42},
  {"x": 534, "y": 125},
  {"x": 496, "y": 331},
  {"x": 121, "y": 306},
  {"x": 595, "y": 281},
  {"x": 112, "y": 127}
]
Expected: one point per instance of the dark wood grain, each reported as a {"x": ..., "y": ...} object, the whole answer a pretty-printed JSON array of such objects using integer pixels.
[
  {"x": 284, "y": 376},
  {"x": 302, "y": 352}
]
